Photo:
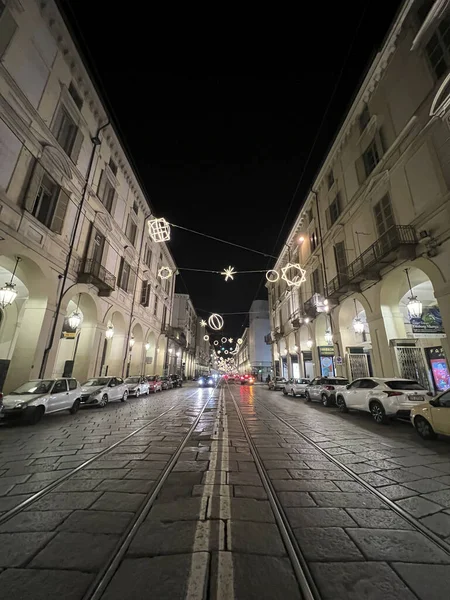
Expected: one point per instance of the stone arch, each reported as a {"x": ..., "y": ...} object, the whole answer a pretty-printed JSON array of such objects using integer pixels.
[
  {"x": 351, "y": 308},
  {"x": 114, "y": 349},
  {"x": 150, "y": 353}
]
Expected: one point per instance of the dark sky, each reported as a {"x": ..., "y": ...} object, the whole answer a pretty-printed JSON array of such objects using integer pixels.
[{"x": 219, "y": 109}]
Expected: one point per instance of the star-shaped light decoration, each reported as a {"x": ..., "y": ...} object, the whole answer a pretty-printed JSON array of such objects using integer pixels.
[
  {"x": 230, "y": 340},
  {"x": 203, "y": 323},
  {"x": 299, "y": 277},
  {"x": 228, "y": 273},
  {"x": 165, "y": 273}
]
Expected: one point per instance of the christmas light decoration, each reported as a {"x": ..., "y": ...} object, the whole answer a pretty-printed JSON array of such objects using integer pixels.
[
  {"x": 298, "y": 279},
  {"x": 240, "y": 341},
  {"x": 206, "y": 337},
  {"x": 215, "y": 321},
  {"x": 159, "y": 230},
  {"x": 223, "y": 340},
  {"x": 230, "y": 340},
  {"x": 216, "y": 342},
  {"x": 225, "y": 352},
  {"x": 203, "y": 323},
  {"x": 165, "y": 273},
  {"x": 228, "y": 273},
  {"x": 272, "y": 276}
]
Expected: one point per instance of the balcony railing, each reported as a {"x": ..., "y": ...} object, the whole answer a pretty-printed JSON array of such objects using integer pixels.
[
  {"x": 397, "y": 243},
  {"x": 95, "y": 273}
]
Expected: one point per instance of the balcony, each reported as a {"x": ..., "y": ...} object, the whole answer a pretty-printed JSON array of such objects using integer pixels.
[
  {"x": 95, "y": 273},
  {"x": 295, "y": 319},
  {"x": 268, "y": 339},
  {"x": 398, "y": 243}
]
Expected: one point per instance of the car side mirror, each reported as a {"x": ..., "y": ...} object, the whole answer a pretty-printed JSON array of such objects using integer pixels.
[
  {"x": 434, "y": 402},
  {"x": 347, "y": 386}
]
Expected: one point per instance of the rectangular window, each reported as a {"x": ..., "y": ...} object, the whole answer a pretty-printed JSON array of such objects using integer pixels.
[
  {"x": 45, "y": 202},
  {"x": 145, "y": 293},
  {"x": 108, "y": 196},
  {"x": 164, "y": 315},
  {"x": 131, "y": 230},
  {"x": 147, "y": 256},
  {"x": 371, "y": 158},
  {"x": 124, "y": 275},
  {"x": 341, "y": 260},
  {"x": 330, "y": 179},
  {"x": 334, "y": 210},
  {"x": 314, "y": 240},
  {"x": 112, "y": 165},
  {"x": 135, "y": 208},
  {"x": 310, "y": 216},
  {"x": 364, "y": 118},
  {"x": 65, "y": 130},
  {"x": 317, "y": 281},
  {"x": 8, "y": 27},
  {"x": 155, "y": 307},
  {"x": 438, "y": 48},
  {"x": 384, "y": 216},
  {"x": 75, "y": 96}
]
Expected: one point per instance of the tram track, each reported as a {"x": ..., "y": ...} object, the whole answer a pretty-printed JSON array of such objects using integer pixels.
[{"x": 25, "y": 504}]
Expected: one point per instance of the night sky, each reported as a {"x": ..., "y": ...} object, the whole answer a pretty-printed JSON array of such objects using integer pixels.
[{"x": 225, "y": 114}]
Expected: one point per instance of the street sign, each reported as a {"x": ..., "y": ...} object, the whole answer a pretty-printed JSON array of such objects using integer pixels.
[{"x": 339, "y": 360}]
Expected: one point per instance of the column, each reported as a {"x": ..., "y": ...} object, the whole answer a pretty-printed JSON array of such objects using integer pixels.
[{"x": 383, "y": 363}]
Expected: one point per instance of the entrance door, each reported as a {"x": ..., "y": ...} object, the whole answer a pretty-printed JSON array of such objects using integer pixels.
[{"x": 358, "y": 366}]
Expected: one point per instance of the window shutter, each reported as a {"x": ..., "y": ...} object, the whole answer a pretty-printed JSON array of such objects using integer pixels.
[
  {"x": 113, "y": 203},
  {"x": 328, "y": 218},
  {"x": 33, "y": 186},
  {"x": 360, "y": 170},
  {"x": 7, "y": 29},
  {"x": 58, "y": 120},
  {"x": 120, "y": 275},
  {"x": 77, "y": 146},
  {"x": 101, "y": 186},
  {"x": 60, "y": 212},
  {"x": 131, "y": 281}
]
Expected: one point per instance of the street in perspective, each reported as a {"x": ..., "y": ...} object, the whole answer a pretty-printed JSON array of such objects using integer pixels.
[{"x": 224, "y": 298}]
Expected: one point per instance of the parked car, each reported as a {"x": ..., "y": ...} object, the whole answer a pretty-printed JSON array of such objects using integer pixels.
[
  {"x": 98, "y": 391},
  {"x": 176, "y": 380},
  {"x": 277, "y": 384},
  {"x": 296, "y": 387},
  {"x": 35, "y": 398},
  {"x": 325, "y": 389},
  {"x": 383, "y": 397},
  {"x": 247, "y": 380},
  {"x": 166, "y": 383},
  {"x": 432, "y": 417},
  {"x": 206, "y": 382},
  {"x": 137, "y": 386},
  {"x": 154, "y": 384}
]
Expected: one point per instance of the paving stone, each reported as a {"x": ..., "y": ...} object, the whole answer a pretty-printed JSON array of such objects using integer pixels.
[
  {"x": 347, "y": 500},
  {"x": 439, "y": 523},
  {"x": 353, "y": 581},
  {"x": 212, "y": 490},
  {"x": 156, "y": 538},
  {"x": 166, "y": 576},
  {"x": 107, "y": 464},
  {"x": 170, "y": 493},
  {"x": 14, "y": 479},
  {"x": 424, "y": 486},
  {"x": 400, "y": 475},
  {"x": 5, "y": 488},
  {"x": 293, "y": 499},
  {"x": 247, "y": 537},
  {"x": 35, "y": 584},
  {"x": 320, "y": 474},
  {"x": 348, "y": 486},
  {"x": 378, "y": 518},
  {"x": 187, "y": 509},
  {"x": 8, "y": 502},
  {"x": 418, "y": 506},
  {"x": 244, "y": 479},
  {"x": 319, "y": 517},
  {"x": 392, "y": 544},
  {"x": 34, "y": 521},
  {"x": 118, "y": 501},
  {"x": 214, "y": 478},
  {"x": 247, "y": 577},
  {"x": 250, "y": 491},
  {"x": 305, "y": 485},
  {"x": 396, "y": 492},
  {"x": 101, "y": 474},
  {"x": 363, "y": 468},
  {"x": 326, "y": 543},
  {"x": 190, "y": 465},
  {"x": 429, "y": 582},
  {"x": 285, "y": 464},
  {"x": 240, "y": 509},
  {"x": 125, "y": 485},
  {"x": 149, "y": 475},
  {"x": 48, "y": 476},
  {"x": 247, "y": 466},
  {"x": 76, "y": 551},
  {"x": 96, "y": 521},
  {"x": 65, "y": 501},
  {"x": 77, "y": 485},
  {"x": 375, "y": 479},
  {"x": 17, "y": 548},
  {"x": 442, "y": 497}
]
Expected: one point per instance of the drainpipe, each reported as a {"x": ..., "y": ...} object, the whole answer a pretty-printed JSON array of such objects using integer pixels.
[
  {"x": 134, "y": 296},
  {"x": 95, "y": 142}
]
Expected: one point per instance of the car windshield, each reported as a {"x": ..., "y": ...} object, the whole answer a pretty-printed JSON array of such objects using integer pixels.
[
  {"x": 336, "y": 381},
  {"x": 100, "y": 381},
  {"x": 153, "y": 378},
  {"x": 38, "y": 386},
  {"x": 404, "y": 384},
  {"x": 132, "y": 380},
  {"x": 280, "y": 379}
]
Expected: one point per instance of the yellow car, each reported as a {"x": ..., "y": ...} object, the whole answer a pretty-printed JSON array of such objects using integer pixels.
[{"x": 432, "y": 417}]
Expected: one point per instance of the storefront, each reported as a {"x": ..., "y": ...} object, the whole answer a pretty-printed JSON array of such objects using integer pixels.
[{"x": 327, "y": 361}]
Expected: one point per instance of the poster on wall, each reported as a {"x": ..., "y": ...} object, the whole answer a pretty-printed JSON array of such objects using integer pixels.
[{"x": 429, "y": 324}]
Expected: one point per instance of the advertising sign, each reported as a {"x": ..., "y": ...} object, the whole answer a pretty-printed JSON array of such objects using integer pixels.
[{"x": 429, "y": 324}]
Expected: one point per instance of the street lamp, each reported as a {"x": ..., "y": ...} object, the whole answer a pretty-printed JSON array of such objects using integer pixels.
[
  {"x": 131, "y": 342},
  {"x": 8, "y": 293},
  {"x": 358, "y": 325},
  {"x": 414, "y": 305},
  {"x": 76, "y": 317},
  {"x": 328, "y": 337},
  {"x": 147, "y": 346},
  {"x": 309, "y": 343},
  {"x": 109, "y": 332}
]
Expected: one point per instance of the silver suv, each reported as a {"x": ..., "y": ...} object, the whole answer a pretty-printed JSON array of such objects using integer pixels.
[{"x": 325, "y": 389}]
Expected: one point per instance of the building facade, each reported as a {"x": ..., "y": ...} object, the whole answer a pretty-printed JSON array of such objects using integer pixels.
[
  {"x": 182, "y": 335},
  {"x": 373, "y": 234},
  {"x": 73, "y": 218},
  {"x": 254, "y": 355}
]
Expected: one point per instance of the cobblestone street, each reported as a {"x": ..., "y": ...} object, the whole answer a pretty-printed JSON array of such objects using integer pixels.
[{"x": 236, "y": 492}]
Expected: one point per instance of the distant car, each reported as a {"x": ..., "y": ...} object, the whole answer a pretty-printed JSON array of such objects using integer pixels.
[
  {"x": 247, "y": 380},
  {"x": 137, "y": 386},
  {"x": 432, "y": 417},
  {"x": 382, "y": 397},
  {"x": 277, "y": 384},
  {"x": 154, "y": 384},
  {"x": 98, "y": 391},
  {"x": 166, "y": 383},
  {"x": 176, "y": 380},
  {"x": 325, "y": 389},
  {"x": 35, "y": 398},
  {"x": 296, "y": 387},
  {"x": 206, "y": 382}
]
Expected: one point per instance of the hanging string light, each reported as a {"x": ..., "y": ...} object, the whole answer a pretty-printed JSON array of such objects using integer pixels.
[{"x": 8, "y": 293}]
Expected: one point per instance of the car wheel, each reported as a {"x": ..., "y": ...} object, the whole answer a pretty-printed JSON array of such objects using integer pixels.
[
  {"x": 326, "y": 401},
  {"x": 138, "y": 393},
  {"x": 285, "y": 392},
  {"x": 34, "y": 414},
  {"x": 104, "y": 401},
  {"x": 340, "y": 402},
  {"x": 378, "y": 413},
  {"x": 307, "y": 397},
  {"x": 124, "y": 397},
  {"x": 75, "y": 407},
  {"x": 293, "y": 393},
  {"x": 424, "y": 429}
]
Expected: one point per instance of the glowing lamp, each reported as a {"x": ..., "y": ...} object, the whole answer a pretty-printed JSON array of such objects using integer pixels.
[
  {"x": 358, "y": 325},
  {"x": 328, "y": 337},
  {"x": 7, "y": 294},
  {"x": 75, "y": 320},
  {"x": 309, "y": 343},
  {"x": 414, "y": 307},
  {"x": 109, "y": 332},
  {"x": 131, "y": 342}
]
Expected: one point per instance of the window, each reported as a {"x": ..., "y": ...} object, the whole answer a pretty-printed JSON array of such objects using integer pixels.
[
  {"x": 147, "y": 255},
  {"x": 314, "y": 240},
  {"x": 384, "y": 217},
  {"x": 67, "y": 133},
  {"x": 8, "y": 27},
  {"x": 131, "y": 230},
  {"x": 317, "y": 282},
  {"x": 330, "y": 179},
  {"x": 438, "y": 48},
  {"x": 368, "y": 384},
  {"x": 341, "y": 260},
  {"x": 59, "y": 387},
  {"x": 135, "y": 208},
  {"x": 145, "y": 293},
  {"x": 124, "y": 275},
  {"x": 310, "y": 215},
  {"x": 155, "y": 307},
  {"x": 444, "y": 400},
  {"x": 106, "y": 192},
  {"x": 112, "y": 165},
  {"x": 404, "y": 384},
  {"x": 45, "y": 200},
  {"x": 73, "y": 384},
  {"x": 371, "y": 158},
  {"x": 75, "y": 96},
  {"x": 364, "y": 118},
  {"x": 333, "y": 211},
  {"x": 164, "y": 315}
]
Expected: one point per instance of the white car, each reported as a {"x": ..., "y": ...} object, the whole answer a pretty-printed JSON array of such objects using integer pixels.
[
  {"x": 382, "y": 397},
  {"x": 137, "y": 386},
  {"x": 98, "y": 391},
  {"x": 35, "y": 398},
  {"x": 296, "y": 387}
]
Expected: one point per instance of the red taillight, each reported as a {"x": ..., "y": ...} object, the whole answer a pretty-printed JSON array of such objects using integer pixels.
[
  {"x": 393, "y": 393},
  {"x": 329, "y": 387}
]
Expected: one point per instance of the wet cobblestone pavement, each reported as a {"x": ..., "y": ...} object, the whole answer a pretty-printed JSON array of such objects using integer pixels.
[{"x": 236, "y": 492}]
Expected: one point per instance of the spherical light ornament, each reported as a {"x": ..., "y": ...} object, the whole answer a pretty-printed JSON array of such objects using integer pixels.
[
  {"x": 165, "y": 273},
  {"x": 7, "y": 294},
  {"x": 75, "y": 319},
  {"x": 206, "y": 337},
  {"x": 240, "y": 341},
  {"x": 223, "y": 340},
  {"x": 272, "y": 276},
  {"x": 159, "y": 230},
  {"x": 109, "y": 333},
  {"x": 219, "y": 351},
  {"x": 215, "y": 321},
  {"x": 216, "y": 342}
]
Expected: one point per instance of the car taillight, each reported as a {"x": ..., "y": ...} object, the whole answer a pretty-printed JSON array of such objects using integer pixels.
[
  {"x": 389, "y": 394},
  {"x": 329, "y": 387}
]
